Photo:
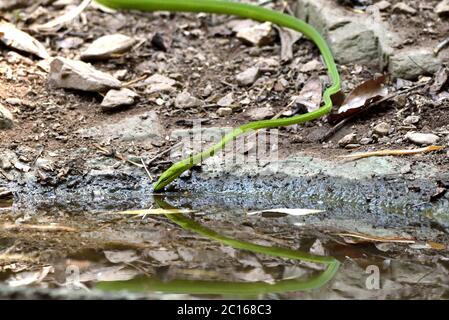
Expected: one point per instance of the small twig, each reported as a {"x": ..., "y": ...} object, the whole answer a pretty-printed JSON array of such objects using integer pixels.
[
  {"x": 227, "y": 83},
  {"x": 441, "y": 46},
  {"x": 38, "y": 155},
  {"x": 117, "y": 155},
  {"x": 419, "y": 66},
  {"x": 131, "y": 82},
  {"x": 146, "y": 169},
  {"x": 163, "y": 153},
  {"x": 379, "y": 153},
  {"x": 284, "y": 109}
]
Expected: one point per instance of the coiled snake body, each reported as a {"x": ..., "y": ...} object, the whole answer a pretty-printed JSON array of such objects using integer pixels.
[{"x": 245, "y": 11}]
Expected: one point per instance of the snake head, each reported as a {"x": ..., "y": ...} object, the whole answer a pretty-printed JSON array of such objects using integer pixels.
[{"x": 171, "y": 174}]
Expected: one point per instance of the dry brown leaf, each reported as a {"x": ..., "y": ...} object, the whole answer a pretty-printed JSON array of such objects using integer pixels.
[
  {"x": 402, "y": 152},
  {"x": 49, "y": 227},
  {"x": 361, "y": 96},
  {"x": 368, "y": 238}
]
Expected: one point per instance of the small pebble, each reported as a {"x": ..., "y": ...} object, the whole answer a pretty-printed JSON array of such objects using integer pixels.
[
  {"x": 382, "y": 129},
  {"x": 224, "y": 111},
  {"x": 422, "y": 138},
  {"x": 247, "y": 77},
  {"x": 403, "y": 8},
  {"x": 348, "y": 139},
  {"x": 226, "y": 101},
  {"x": 411, "y": 120}
]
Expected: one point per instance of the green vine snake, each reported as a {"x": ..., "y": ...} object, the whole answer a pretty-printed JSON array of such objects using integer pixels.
[
  {"x": 229, "y": 288},
  {"x": 245, "y": 11}
]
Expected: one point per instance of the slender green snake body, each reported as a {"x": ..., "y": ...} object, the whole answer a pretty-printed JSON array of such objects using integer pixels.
[
  {"x": 245, "y": 11},
  {"x": 222, "y": 287}
]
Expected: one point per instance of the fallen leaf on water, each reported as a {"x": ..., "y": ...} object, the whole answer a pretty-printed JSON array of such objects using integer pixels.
[
  {"x": 49, "y": 227},
  {"x": 29, "y": 277},
  {"x": 282, "y": 212},
  {"x": 402, "y": 152},
  {"x": 122, "y": 256},
  {"x": 19, "y": 40},
  {"x": 369, "y": 238},
  {"x": 67, "y": 17},
  {"x": 143, "y": 212},
  {"x": 361, "y": 96}
]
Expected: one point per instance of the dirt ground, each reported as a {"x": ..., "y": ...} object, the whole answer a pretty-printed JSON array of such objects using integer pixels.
[
  {"x": 201, "y": 52},
  {"x": 45, "y": 116}
]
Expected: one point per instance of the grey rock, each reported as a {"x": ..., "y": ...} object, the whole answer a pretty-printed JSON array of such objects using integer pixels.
[
  {"x": 442, "y": 8},
  {"x": 186, "y": 100},
  {"x": 44, "y": 164},
  {"x": 247, "y": 77},
  {"x": 159, "y": 83},
  {"x": 409, "y": 64},
  {"x": 14, "y": 101},
  {"x": 261, "y": 113},
  {"x": 352, "y": 38},
  {"x": 6, "y": 118},
  {"x": 226, "y": 101},
  {"x": 17, "y": 39},
  {"x": 70, "y": 43},
  {"x": 312, "y": 65},
  {"x": 403, "y": 8},
  {"x": 348, "y": 139},
  {"x": 365, "y": 141},
  {"x": 258, "y": 35},
  {"x": 382, "y": 129},
  {"x": 143, "y": 127},
  {"x": 14, "y": 58},
  {"x": 12, "y": 4},
  {"x": 208, "y": 90},
  {"x": 73, "y": 74},
  {"x": 412, "y": 120},
  {"x": 107, "y": 46},
  {"x": 224, "y": 111},
  {"x": 422, "y": 138},
  {"x": 7, "y": 159},
  {"x": 383, "y": 5},
  {"x": 116, "y": 98}
]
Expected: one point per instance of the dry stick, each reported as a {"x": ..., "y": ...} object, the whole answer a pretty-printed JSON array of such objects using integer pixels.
[
  {"x": 343, "y": 122},
  {"x": 163, "y": 153},
  {"x": 402, "y": 152},
  {"x": 106, "y": 152},
  {"x": 440, "y": 46},
  {"x": 131, "y": 82},
  {"x": 146, "y": 169}
]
